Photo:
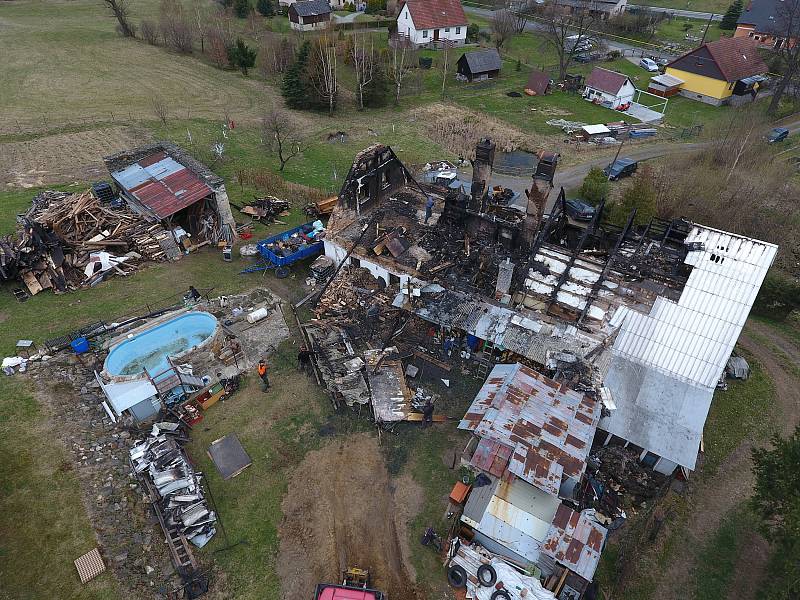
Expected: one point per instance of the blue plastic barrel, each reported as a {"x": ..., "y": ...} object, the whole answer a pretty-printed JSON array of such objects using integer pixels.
[{"x": 80, "y": 345}]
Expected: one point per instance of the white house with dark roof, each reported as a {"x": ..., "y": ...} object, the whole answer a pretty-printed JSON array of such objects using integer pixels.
[{"x": 609, "y": 88}]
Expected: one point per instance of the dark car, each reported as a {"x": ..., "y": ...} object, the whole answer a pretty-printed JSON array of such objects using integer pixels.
[
  {"x": 622, "y": 167},
  {"x": 777, "y": 135},
  {"x": 579, "y": 210}
]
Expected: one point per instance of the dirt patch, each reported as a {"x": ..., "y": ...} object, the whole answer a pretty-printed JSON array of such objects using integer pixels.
[
  {"x": 343, "y": 509},
  {"x": 458, "y": 130},
  {"x": 64, "y": 157}
]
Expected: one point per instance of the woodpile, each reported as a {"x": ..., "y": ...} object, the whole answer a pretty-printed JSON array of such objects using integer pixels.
[
  {"x": 267, "y": 208},
  {"x": 66, "y": 241}
]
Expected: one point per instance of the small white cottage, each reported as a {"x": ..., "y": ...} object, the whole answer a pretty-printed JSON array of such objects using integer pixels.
[
  {"x": 427, "y": 22},
  {"x": 609, "y": 88}
]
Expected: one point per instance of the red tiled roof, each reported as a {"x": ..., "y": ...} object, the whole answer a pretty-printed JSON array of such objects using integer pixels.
[
  {"x": 737, "y": 58},
  {"x": 434, "y": 14},
  {"x": 606, "y": 81}
]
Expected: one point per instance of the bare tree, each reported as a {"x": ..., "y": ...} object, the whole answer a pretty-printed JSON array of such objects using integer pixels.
[
  {"x": 200, "y": 16},
  {"x": 160, "y": 109},
  {"x": 362, "y": 53},
  {"x": 175, "y": 27},
  {"x": 149, "y": 31},
  {"x": 445, "y": 54},
  {"x": 504, "y": 26},
  {"x": 121, "y": 11},
  {"x": 401, "y": 59},
  {"x": 220, "y": 37},
  {"x": 322, "y": 70},
  {"x": 787, "y": 31},
  {"x": 565, "y": 29},
  {"x": 282, "y": 135},
  {"x": 522, "y": 13}
]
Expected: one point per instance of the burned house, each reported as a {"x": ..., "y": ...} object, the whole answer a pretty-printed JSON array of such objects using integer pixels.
[
  {"x": 165, "y": 185},
  {"x": 644, "y": 316},
  {"x": 531, "y": 439}
]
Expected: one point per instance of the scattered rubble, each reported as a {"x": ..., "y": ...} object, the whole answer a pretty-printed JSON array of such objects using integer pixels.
[{"x": 66, "y": 241}]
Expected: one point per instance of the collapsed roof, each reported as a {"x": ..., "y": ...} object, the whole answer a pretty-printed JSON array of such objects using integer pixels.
[{"x": 651, "y": 311}]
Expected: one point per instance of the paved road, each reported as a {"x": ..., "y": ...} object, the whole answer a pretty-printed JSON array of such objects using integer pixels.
[
  {"x": 534, "y": 26},
  {"x": 572, "y": 177},
  {"x": 691, "y": 14}
]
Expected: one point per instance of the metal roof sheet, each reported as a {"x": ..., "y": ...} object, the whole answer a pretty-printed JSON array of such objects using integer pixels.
[
  {"x": 575, "y": 540},
  {"x": 161, "y": 184},
  {"x": 549, "y": 426},
  {"x": 692, "y": 338}
]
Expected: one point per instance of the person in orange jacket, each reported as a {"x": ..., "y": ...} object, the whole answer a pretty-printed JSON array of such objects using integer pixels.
[{"x": 262, "y": 373}]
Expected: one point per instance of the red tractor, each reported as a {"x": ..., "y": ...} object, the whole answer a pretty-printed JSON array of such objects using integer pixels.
[{"x": 355, "y": 586}]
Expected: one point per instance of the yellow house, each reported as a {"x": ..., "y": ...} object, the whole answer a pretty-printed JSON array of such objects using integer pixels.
[{"x": 726, "y": 71}]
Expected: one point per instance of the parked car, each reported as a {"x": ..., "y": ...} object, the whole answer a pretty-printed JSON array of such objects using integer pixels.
[
  {"x": 778, "y": 135},
  {"x": 579, "y": 210},
  {"x": 622, "y": 167},
  {"x": 648, "y": 64}
]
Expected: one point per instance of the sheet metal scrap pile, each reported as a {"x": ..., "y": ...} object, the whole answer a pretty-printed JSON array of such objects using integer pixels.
[
  {"x": 66, "y": 241},
  {"x": 163, "y": 463}
]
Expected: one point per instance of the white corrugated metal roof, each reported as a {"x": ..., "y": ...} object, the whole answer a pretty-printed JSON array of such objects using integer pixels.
[
  {"x": 595, "y": 129},
  {"x": 666, "y": 363},
  {"x": 693, "y": 337}
]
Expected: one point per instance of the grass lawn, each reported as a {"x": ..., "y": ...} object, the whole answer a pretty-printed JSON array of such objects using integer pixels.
[
  {"x": 43, "y": 526},
  {"x": 720, "y": 555},
  {"x": 322, "y": 165},
  {"x": 69, "y": 66},
  {"x": 742, "y": 411}
]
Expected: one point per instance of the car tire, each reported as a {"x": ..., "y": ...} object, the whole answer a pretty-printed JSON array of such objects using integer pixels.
[
  {"x": 487, "y": 576},
  {"x": 281, "y": 272},
  {"x": 500, "y": 594},
  {"x": 457, "y": 577}
]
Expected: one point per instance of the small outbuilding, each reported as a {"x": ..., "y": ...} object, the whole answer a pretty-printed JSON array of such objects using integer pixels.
[
  {"x": 665, "y": 85},
  {"x": 480, "y": 64},
  {"x": 308, "y": 15},
  {"x": 594, "y": 132},
  {"x": 609, "y": 88},
  {"x": 538, "y": 83}
]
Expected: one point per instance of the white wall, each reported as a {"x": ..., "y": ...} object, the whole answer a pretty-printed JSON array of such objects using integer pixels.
[
  {"x": 405, "y": 26},
  {"x": 336, "y": 253},
  {"x": 625, "y": 94}
]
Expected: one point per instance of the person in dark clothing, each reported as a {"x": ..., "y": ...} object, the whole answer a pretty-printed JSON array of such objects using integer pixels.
[
  {"x": 427, "y": 413},
  {"x": 428, "y": 209},
  {"x": 304, "y": 359},
  {"x": 262, "y": 373}
]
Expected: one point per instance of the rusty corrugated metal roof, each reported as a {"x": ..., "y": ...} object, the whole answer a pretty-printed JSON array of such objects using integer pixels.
[
  {"x": 575, "y": 540},
  {"x": 161, "y": 184},
  {"x": 550, "y": 427}
]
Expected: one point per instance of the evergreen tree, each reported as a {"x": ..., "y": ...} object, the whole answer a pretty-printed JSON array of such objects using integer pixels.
[
  {"x": 241, "y": 8},
  {"x": 377, "y": 91},
  {"x": 295, "y": 90},
  {"x": 641, "y": 196},
  {"x": 777, "y": 502},
  {"x": 265, "y": 8},
  {"x": 242, "y": 56},
  {"x": 595, "y": 186},
  {"x": 731, "y": 16}
]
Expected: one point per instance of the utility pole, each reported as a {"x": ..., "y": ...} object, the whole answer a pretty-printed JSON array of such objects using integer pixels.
[
  {"x": 446, "y": 48},
  {"x": 616, "y": 156},
  {"x": 705, "y": 32}
]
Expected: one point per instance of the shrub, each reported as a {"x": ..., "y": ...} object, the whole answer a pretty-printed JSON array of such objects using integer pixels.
[{"x": 149, "y": 31}]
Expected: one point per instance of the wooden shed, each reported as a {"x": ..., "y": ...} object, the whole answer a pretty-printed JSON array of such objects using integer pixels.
[{"x": 480, "y": 65}]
